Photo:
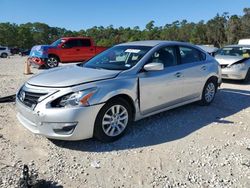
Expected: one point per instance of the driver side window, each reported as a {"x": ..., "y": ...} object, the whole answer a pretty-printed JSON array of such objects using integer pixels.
[{"x": 166, "y": 56}]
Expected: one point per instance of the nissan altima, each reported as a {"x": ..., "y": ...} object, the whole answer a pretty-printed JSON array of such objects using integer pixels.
[
  {"x": 235, "y": 62},
  {"x": 101, "y": 97}
]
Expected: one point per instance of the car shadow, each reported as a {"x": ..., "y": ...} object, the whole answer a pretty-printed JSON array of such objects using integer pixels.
[
  {"x": 238, "y": 82},
  {"x": 171, "y": 125}
]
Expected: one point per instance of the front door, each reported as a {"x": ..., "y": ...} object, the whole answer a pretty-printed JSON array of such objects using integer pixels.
[
  {"x": 161, "y": 89},
  {"x": 70, "y": 51}
]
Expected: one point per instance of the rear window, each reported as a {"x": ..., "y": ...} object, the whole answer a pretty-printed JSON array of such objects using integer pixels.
[
  {"x": 2, "y": 48},
  {"x": 85, "y": 42},
  {"x": 191, "y": 55}
]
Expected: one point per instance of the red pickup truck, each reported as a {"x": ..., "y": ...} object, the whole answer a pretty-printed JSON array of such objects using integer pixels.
[{"x": 67, "y": 49}]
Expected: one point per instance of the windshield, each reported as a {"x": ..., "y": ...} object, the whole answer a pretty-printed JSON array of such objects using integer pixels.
[
  {"x": 235, "y": 51},
  {"x": 118, "y": 58},
  {"x": 57, "y": 42}
]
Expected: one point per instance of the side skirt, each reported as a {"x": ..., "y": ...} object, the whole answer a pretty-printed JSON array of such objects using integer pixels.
[{"x": 141, "y": 116}]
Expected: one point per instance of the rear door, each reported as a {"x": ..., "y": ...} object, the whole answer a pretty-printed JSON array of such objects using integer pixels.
[
  {"x": 194, "y": 70},
  {"x": 161, "y": 89}
]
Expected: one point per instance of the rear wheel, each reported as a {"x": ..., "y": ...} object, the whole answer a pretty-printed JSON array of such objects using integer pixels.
[
  {"x": 52, "y": 62},
  {"x": 209, "y": 92},
  {"x": 4, "y": 55},
  {"x": 112, "y": 120}
]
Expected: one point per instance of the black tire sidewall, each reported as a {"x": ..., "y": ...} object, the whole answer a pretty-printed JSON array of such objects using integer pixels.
[
  {"x": 203, "y": 99},
  {"x": 4, "y": 55},
  {"x": 98, "y": 131}
]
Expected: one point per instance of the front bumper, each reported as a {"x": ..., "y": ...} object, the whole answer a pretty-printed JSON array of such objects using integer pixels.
[
  {"x": 234, "y": 74},
  {"x": 38, "y": 120}
]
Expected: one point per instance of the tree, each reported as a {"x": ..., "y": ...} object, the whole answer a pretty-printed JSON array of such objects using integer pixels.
[
  {"x": 245, "y": 21},
  {"x": 219, "y": 31},
  {"x": 150, "y": 25},
  {"x": 8, "y": 34},
  {"x": 216, "y": 30},
  {"x": 25, "y": 36},
  {"x": 234, "y": 29},
  {"x": 199, "y": 36}
]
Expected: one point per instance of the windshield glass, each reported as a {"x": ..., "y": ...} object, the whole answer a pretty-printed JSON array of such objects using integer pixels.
[
  {"x": 57, "y": 42},
  {"x": 118, "y": 58},
  {"x": 235, "y": 51}
]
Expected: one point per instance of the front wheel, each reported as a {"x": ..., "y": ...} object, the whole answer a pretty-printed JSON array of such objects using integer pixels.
[
  {"x": 4, "y": 55},
  {"x": 52, "y": 62},
  {"x": 209, "y": 92},
  {"x": 112, "y": 120}
]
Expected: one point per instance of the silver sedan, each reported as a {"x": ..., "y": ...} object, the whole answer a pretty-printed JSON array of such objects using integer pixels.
[
  {"x": 235, "y": 62},
  {"x": 125, "y": 83}
]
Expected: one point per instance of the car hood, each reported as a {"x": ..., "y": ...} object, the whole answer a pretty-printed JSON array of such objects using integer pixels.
[
  {"x": 40, "y": 51},
  {"x": 227, "y": 60},
  {"x": 70, "y": 76}
]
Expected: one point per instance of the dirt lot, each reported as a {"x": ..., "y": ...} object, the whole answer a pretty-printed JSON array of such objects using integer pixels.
[{"x": 191, "y": 146}]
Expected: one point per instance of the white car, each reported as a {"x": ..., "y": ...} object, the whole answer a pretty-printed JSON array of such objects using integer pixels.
[
  {"x": 4, "y": 52},
  {"x": 235, "y": 62},
  {"x": 244, "y": 42}
]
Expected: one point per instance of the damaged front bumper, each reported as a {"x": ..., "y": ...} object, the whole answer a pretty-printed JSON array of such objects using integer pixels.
[
  {"x": 234, "y": 74},
  {"x": 37, "y": 62}
]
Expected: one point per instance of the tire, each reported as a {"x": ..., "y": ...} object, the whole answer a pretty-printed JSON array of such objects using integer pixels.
[
  {"x": 209, "y": 92},
  {"x": 247, "y": 78},
  {"x": 4, "y": 55},
  {"x": 108, "y": 125},
  {"x": 52, "y": 62}
]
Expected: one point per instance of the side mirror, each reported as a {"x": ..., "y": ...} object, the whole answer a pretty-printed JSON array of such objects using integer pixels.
[
  {"x": 64, "y": 46},
  {"x": 153, "y": 67}
]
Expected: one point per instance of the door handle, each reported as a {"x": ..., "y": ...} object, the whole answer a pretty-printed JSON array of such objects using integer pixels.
[
  {"x": 77, "y": 49},
  {"x": 178, "y": 74},
  {"x": 203, "y": 68},
  {"x": 91, "y": 49}
]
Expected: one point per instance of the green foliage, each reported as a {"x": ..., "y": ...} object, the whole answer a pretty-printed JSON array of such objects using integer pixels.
[{"x": 220, "y": 30}]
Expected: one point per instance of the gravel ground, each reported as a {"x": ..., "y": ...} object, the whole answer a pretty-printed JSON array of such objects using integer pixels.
[{"x": 191, "y": 146}]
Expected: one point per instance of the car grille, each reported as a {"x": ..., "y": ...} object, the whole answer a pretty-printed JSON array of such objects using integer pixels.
[
  {"x": 28, "y": 98},
  {"x": 223, "y": 66}
]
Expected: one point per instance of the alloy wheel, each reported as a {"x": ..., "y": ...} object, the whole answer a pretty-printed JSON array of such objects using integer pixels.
[
  {"x": 115, "y": 120},
  {"x": 52, "y": 62},
  {"x": 210, "y": 92}
]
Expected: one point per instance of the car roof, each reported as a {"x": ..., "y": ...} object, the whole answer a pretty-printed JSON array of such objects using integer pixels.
[
  {"x": 153, "y": 43},
  {"x": 66, "y": 38}
]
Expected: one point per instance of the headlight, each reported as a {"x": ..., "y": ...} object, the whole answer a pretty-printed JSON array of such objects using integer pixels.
[
  {"x": 238, "y": 66},
  {"x": 80, "y": 98}
]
